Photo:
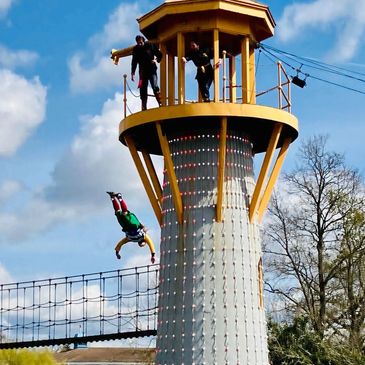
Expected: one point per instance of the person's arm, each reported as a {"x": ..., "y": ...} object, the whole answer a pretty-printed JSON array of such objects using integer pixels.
[
  {"x": 119, "y": 245},
  {"x": 210, "y": 53},
  {"x": 158, "y": 54},
  {"x": 134, "y": 63},
  {"x": 151, "y": 247},
  {"x": 187, "y": 58},
  {"x": 219, "y": 62}
]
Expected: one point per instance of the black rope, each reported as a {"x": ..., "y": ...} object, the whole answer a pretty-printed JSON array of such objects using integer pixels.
[{"x": 130, "y": 90}]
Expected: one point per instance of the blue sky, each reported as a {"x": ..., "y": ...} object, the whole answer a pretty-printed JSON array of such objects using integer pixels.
[{"x": 60, "y": 107}]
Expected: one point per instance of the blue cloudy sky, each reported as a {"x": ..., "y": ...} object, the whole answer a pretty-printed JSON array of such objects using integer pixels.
[{"x": 61, "y": 103}]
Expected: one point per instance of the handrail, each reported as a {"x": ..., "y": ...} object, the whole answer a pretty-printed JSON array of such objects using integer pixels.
[
  {"x": 96, "y": 306},
  {"x": 283, "y": 88}
]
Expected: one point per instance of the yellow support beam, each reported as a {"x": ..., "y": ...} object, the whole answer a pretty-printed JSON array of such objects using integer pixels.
[
  {"x": 171, "y": 79},
  {"x": 261, "y": 283},
  {"x": 273, "y": 178},
  {"x": 221, "y": 167},
  {"x": 251, "y": 66},
  {"x": 264, "y": 169},
  {"x": 176, "y": 196},
  {"x": 181, "y": 68},
  {"x": 216, "y": 70},
  {"x": 163, "y": 75},
  {"x": 232, "y": 80},
  {"x": 153, "y": 175},
  {"x": 145, "y": 181},
  {"x": 245, "y": 69}
]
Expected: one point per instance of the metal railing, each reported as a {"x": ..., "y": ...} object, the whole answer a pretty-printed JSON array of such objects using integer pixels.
[
  {"x": 280, "y": 87},
  {"x": 75, "y": 309},
  {"x": 283, "y": 88}
]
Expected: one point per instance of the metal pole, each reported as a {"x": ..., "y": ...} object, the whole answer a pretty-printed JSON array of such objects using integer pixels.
[
  {"x": 224, "y": 76},
  {"x": 125, "y": 94}
]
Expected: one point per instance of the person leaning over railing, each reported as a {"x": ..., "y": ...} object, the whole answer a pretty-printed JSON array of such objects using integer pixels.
[{"x": 204, "y": 69}]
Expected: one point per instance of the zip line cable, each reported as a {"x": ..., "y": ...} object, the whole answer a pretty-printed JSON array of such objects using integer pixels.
[
  {"x": 271, "y": 54},
  {"x": 321, "y": 65}
]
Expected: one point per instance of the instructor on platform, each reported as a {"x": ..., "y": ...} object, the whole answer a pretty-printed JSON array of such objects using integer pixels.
[{"x": 146, "y": 55}]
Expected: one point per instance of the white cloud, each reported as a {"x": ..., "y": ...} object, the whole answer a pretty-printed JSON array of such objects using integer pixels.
[
  {"x": 345, "y": 19},
  {"x": 5, "y": 277},
  {"x": 5, "y": 6},
  {"x": 101, "y": 74},
  {"x": 120, "y": 28},
  {"x": 13, "y": 59},
  {"x": 8, "y": 189},
  {"x": 93, "y": 68},
  {"x": 96, "y": 162},
  {"x": 22, "y": 109}
]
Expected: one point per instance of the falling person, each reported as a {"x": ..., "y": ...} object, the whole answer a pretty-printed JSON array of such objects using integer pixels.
[{"x": 134, "y": 230}]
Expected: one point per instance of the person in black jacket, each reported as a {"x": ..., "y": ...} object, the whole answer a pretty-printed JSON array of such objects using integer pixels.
[
  {"x": 146, "y": 55},
  {"x": 204, "y": 69}
]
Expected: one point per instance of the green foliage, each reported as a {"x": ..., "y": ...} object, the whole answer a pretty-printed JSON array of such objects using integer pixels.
[
  {"x": 26, "y": 357},
  {"x": 298, "y": 344}
]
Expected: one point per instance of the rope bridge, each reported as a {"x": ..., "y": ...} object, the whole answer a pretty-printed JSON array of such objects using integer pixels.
[{"x": 77, "y": 309}]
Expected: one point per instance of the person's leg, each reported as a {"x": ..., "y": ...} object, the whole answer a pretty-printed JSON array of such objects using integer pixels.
[
  {"x": 155, "y": 88},
  {"x": 153, "y": 82},
  {"x": 143, "y": 92},
  {"x": 210, "y": 78},
  {"x": 203, "y": 87},
  {"x": 119, "y": 246},
  {"x": 118, "y": 202},
  {"x": 122, "y": 203}
]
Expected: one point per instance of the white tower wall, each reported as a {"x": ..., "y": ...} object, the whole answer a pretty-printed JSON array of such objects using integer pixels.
[{"x": 209, "y": 298}]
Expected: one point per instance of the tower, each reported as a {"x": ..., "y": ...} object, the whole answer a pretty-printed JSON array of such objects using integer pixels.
[{"x": 211, "y": 308}]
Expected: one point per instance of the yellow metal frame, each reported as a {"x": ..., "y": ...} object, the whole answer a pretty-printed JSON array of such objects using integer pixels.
[
  {"x": 145, "y": 180},
  {"x": 163, "y": 76},
  {"x": 245, "y": 69},
  {"x": 216, "y": 69},
  {"x": 221, "y": 167},
  {"x": 251, "y": 67},
  {"x": 176, "y": 196},
  {"x": 273, "y": 177},
  {"x": 261, "y": 283},
  {"x": 171, "y": 78},
  {"x": 224, "y": 79},
  {"x": 241, "y": 9},
  {"x": 153, "y": 175},
  {"x": 259, "y": 112},
  {"x": 264, "y": 170},
  {"x": 181, "y": 68},
  {"x": 232, "y": 80}
]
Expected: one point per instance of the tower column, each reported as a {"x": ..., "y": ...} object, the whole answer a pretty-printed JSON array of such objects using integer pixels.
[{"x": 210, "y": 303}]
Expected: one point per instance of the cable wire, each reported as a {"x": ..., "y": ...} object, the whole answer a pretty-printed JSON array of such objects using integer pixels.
[{"x": 272, "y": 53}]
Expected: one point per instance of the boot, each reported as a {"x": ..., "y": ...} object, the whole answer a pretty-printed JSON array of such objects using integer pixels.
[
  {"x": 144, "y": 104},
  {"x": 158, "y": 98}
]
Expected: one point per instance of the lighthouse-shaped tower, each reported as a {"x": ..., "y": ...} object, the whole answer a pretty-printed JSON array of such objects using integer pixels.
[{"x": 211, "y": 308}]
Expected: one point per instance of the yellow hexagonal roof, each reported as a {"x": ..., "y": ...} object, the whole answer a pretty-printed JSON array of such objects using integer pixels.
[{"x": 239, "y": 17}]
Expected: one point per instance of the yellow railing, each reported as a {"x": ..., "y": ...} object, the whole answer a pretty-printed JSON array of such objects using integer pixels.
[
  {"x": 283, "y": 89},
  {"x": 280, "y": 87}
]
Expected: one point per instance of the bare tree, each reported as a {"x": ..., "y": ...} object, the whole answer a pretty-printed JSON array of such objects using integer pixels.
[
  {"x": 351, "y": 296},
  {"x": 305, "y": 248}
]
